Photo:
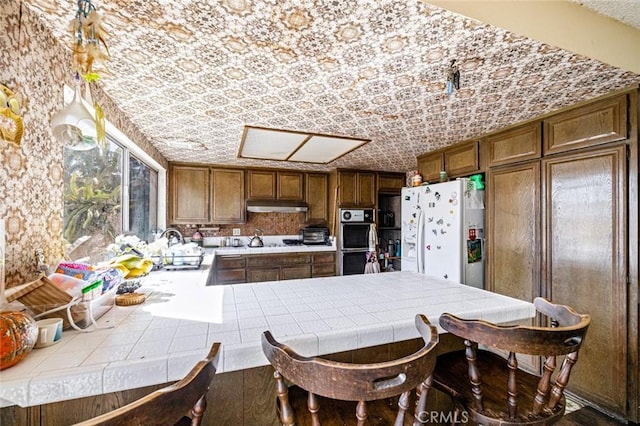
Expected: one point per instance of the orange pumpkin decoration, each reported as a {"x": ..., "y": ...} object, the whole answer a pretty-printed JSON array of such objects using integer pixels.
[{"x": 18, "y": 335}]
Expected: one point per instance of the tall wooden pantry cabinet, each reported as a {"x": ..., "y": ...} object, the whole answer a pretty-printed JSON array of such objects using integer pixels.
[{"x": 561, "y": 224}]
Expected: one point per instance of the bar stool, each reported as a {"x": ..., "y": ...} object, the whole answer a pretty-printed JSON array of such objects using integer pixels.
[
  {"x": 491, "y": 390},
  {"x": 169, "y": 405},
  {"x": 337, "y": 393}
]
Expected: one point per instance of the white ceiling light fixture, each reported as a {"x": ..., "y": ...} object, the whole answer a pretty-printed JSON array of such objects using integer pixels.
[{"x": 288, "y": 145}]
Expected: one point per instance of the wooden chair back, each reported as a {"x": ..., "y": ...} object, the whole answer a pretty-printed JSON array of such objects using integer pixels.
[
  {"x": 353, "y": 382},
  {"x": 563, "y": 337},
  {"x": 169, "y": 405}
]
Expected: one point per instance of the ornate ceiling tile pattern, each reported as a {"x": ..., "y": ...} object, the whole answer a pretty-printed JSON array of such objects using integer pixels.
[{"x": 201, "y": 71}]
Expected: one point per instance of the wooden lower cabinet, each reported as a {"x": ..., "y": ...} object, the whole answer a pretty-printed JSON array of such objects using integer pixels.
[
  {"x": 295, "y": 272},
  {"x": 256, "y": 268},
  {"x": 323, "y": 265},
  {"x": 257, "y": 275},
  {"x": 228, "y": 270}
]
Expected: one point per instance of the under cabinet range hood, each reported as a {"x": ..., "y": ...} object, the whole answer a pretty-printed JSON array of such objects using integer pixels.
[{"x": 276, "y": 206}]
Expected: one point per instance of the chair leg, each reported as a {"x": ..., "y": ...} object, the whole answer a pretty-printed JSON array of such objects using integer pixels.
[
  {"x": 313, "y": 405},
  {"x": 403, "y": 406},
  {"x": 421, "y": 404},
  {"x": 282, "y": 392},
  {"x": 198, "y": 410},
  {"x": 361, "y": 413}
]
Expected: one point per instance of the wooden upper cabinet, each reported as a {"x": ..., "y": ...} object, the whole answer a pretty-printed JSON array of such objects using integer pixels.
[
  {"x": 391, "y": 182},
  {"x": 261, "y": 184},
  {"x": 600, "y": 122},
  {"x": 347, "y": 188},
  {"x": 462, "y": 159},
  {"x": 518, "y": 144},
  {"x": 272, "y": 185},
  {"x": 227, "y": 198},
  {"x": 317, "y": 197},
  {"x": 430, "y": 165},
  {"x": 189, "y": 194},
  {"x": 290, "y": 186},
  {"x": 367, "y": 196},
  {"x": 357, "y": 189},
  {"x": 202, "y": 195}
]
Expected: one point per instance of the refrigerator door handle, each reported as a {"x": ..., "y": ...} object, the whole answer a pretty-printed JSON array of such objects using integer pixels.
[{"x": 420, "y": 244}]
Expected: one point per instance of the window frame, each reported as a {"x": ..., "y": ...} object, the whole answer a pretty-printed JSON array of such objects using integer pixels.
[{"x": 130, "y": 148}]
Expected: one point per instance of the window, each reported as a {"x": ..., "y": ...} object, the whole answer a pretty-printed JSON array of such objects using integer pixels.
[
  {"x": 107, "y": 192},
  {"x": 92, "y": 199},
  {"x": 143, "y": 199}
]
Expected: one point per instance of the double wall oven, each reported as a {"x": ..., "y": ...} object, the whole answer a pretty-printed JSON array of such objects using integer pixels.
[{"x": 354, "y": 239}]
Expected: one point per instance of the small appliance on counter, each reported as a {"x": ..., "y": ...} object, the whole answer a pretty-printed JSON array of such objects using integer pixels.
[{"x": 311, "y": 235}]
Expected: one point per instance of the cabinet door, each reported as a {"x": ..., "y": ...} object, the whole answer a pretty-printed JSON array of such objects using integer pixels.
[
  {"x": 585, "y": 233},
  {"x": 189, "y": 194},
  {"x": 348, "y": 189},
  {"x": 290, "y": 186},
  {"x": 227, "y": 197},
  {"x": 513, "y": 226},
  {"x": 295, "y": 272},
  {"x": 323, "y": 264},
  {"x": 317, "y": 198},
  {"x": 261, "y": 184},
  {"x": 430, "y": 166},
  {"x": 258, "y": 275},
  {"x": 366, "y": 189},
  {"x": 462, "y": 160},
  {"x": 519, "y": 144},
  {"x": 391, "y": 183},
  {"x": 597, "y": 123}
]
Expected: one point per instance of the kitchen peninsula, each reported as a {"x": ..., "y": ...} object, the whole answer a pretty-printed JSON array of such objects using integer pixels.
[{"x": 160, "y": 340}]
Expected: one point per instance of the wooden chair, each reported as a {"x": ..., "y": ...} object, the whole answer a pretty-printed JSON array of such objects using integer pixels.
[
  {"x": 488, "y": 389},
  {"x": 325, "y": 392},
  {"x": 169, "y": 405}
]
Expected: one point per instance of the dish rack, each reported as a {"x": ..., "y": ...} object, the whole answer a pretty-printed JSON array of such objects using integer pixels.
[{"x": 173, "y": 261}]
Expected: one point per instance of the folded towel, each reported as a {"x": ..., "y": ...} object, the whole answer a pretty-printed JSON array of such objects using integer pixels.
[{"x": 373, "y": 237}]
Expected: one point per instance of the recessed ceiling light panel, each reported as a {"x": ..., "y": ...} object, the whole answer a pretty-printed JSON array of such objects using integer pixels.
[{"x": 287, "y": 145}]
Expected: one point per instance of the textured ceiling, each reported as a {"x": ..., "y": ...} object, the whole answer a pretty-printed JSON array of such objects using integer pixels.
[
  {"x": 625, "y": 11},
  {"x": 199, "y": 71}
]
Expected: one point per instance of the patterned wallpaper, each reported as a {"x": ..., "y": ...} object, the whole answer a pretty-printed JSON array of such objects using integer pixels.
[{"x": 31, "y": 176}]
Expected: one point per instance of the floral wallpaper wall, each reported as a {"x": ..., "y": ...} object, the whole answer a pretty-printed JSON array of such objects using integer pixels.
[{"x": 36, "y": 65}]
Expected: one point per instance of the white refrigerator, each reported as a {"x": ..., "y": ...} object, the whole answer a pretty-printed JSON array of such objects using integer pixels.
[{"x": 443, "y": 231}]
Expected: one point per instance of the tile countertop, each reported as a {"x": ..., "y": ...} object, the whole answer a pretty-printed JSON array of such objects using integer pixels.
[
  {"x": 272, "y": 244},
  {"x": 160, "y": 340}
]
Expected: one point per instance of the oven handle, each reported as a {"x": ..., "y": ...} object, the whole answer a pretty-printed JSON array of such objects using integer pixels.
[{"x": 355, "y": 250}]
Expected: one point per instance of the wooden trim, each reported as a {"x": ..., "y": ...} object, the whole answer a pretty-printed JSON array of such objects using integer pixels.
[{"x": 633, "y": 331}]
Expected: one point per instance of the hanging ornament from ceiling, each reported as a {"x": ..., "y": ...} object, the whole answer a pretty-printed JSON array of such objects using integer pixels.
[
  {"x": 453, "y": 77},
  {"x": 90, "y": 54}
]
